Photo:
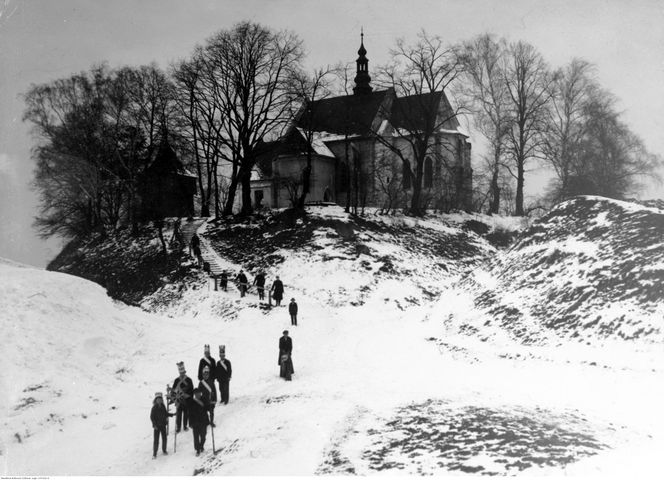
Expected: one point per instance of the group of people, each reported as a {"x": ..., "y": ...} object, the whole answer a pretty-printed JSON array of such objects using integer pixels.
[{"x": 194, "y": 407}]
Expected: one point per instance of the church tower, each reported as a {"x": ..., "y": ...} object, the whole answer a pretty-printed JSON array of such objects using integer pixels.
[{"x": 362, "y": 78}]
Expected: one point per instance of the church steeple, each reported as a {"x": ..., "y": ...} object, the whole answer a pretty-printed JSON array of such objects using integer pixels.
[{"x": 362, "y": 78}]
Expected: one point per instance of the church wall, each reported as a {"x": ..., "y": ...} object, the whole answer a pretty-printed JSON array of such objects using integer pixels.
[{"x": 322, "y": 178}]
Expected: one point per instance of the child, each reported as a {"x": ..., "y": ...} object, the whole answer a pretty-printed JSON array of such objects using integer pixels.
[{"x": 159, "y": 416}]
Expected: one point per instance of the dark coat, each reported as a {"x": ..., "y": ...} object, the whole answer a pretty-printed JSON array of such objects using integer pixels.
[
  {"x": 259, "y": 280},
  {"x": 198, "y": 414},
  {"x": 186, "y": 385},
  {"x": 195, "y": 241},
  {"x": 159, "y": 416},
  {"x": 209, "y": 396},
  {"x": 286, "y": 345},
  {"x": 242, "y": 278},
  {"x": 224, "y": 374},
  {"x": 292, "y": 308},
  {"x": 203, "y": 363},
  {"x": 278, "y": 290}
]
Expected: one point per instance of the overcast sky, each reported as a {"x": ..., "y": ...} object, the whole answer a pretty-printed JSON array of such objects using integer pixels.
[{"x": 41, "y": 40}]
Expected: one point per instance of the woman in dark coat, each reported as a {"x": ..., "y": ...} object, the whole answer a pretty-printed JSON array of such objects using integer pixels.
[{"x": 277, "y": 291}]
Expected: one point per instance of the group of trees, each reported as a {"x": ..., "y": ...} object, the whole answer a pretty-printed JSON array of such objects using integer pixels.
[
  {"x": 99, "y": 130},
  {"x": 531, "y": 114}
]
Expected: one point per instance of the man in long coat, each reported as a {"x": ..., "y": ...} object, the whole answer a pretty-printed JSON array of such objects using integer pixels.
[
  {"x": 224, "y": 374},
  {"x": 277, "y": 291},
  {"x": 259, "y": 281}
]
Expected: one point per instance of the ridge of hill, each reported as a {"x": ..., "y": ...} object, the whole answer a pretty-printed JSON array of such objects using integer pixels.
[{"x": 591, "y": 269}]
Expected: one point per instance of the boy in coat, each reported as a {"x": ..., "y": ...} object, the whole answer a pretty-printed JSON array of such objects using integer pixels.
[
  {"x": 292, "y": 309},
  {"x": 198, "y": 419},
  {"x": 159, "y": 418}
]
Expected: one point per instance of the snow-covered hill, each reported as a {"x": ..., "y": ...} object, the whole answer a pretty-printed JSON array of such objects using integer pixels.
[
  {"x": 396, "y": 371},
  {"x": 591, "y": 270}
]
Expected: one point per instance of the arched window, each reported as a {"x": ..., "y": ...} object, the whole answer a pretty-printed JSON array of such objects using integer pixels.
[
  {"x": 428, "y": 173},
  {"x": 406, "y": 176}
]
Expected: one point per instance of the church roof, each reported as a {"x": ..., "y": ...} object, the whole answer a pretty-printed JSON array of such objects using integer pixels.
[
  {"x": 348, "y": 114},
  {"x": 415, "y": 112},
  {"x": 166, "y": 162}
]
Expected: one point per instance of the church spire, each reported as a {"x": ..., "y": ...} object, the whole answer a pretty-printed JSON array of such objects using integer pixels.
[{"x": 362, "y": 78}]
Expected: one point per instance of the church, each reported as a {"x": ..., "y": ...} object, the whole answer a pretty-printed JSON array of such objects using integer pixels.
[{"x": 359, "y": 145}]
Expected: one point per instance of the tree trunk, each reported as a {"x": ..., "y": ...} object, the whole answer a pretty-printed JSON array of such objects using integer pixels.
[
  {"x": 494, "y": 204},
  {"x": 245, "y": 180},
  {"x": 519, "y": 189},
  {"x": 415, "y": 207}
]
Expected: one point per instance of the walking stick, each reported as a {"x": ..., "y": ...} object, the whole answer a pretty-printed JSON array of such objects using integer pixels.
[{"x": 214, "y": 450}]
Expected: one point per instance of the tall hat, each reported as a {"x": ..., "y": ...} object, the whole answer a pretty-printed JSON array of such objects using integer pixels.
[
  {"x": 181, "y": 368},
  {"x": 222, "y": 349},
  {"x": 206, "y": 348}
]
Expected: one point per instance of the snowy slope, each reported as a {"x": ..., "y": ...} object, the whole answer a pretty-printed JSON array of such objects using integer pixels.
[
  {"x": 384, "y": 382},
  {"x": 590, "y": 270}
]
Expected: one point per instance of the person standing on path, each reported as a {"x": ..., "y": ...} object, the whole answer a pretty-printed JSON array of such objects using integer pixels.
[
  {"x": 224, "y": 374},
  {"x": 259, "y": 281},
  {"x": 198, "y": 415},
  {"x": 195, "y": 247},
  {"x": 181, "y": 391},
  {"x": 243, "y": 283},
  {"x": 207, "y": 361},
  {"x": 292, "y": 309},
  {"x": 277, "y": 291},
  {"x": 209, "y": 392},
  {"x": 159, "y": 418},
  {"x": 285, "y": 360}
]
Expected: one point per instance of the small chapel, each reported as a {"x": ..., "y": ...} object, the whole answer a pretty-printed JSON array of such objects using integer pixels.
[{"x": 358, "y": 144}]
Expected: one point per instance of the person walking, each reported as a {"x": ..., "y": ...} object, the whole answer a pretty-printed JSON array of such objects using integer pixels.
[
  {"x": 259, "y": 281},
  {"x": 292, "y": 309},
  {"x": 224, "y": 374},
  {"x": 181, "y": 391},
  {"x": 285, "y": 360},
  {"x": 277, "y": 291},
  {"x": 159, "y": 418},
  {"x": 195, "y": 247},
  {"x": 242, "y": 282},
  {"x": 223, "y": 281}
]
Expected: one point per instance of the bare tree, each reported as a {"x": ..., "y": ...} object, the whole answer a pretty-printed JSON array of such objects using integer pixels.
[
  {"x": 247, "y": 70},
  {"x": 307, "y": 91},
  {"x": 527, "y": 79},
  {"x": 202, "y": 118},
  {"x": 423, "y": 71},
  {"x": 488, "y": 98}
]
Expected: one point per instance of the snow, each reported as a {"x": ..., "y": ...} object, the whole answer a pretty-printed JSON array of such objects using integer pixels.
[{"x": 371, "y": 375}]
